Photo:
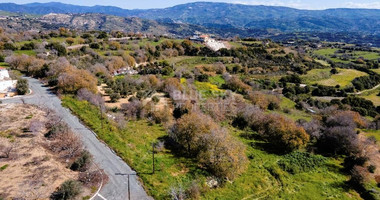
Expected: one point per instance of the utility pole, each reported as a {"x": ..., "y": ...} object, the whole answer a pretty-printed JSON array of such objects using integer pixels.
[
  {"x": 153, "y": 157},
  {"x": 101, "y": 116},
  {"x": 129, "y": 189}
]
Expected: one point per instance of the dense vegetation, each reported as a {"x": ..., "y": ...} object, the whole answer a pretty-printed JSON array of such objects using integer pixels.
[{"x": 253, "y": 120}]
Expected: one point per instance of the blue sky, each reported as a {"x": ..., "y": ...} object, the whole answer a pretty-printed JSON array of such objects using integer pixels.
[{"x": 143, "y": 4}]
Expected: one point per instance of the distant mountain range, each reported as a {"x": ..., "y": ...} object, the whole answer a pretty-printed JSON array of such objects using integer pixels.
[
  {"x": 223, "y": 18},
  {"x": 224, "y": 15}
]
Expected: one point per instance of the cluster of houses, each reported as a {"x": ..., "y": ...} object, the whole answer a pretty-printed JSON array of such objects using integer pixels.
[{"x": 7, "y": 85}]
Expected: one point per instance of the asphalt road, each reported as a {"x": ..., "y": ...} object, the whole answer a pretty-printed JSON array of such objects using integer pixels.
[{"x": 117, "y": 186}]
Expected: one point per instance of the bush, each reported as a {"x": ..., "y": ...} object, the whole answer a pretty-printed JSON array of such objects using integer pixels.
[
  {"x": 291, "y": 79},
  {"x": 82, "y": 163},
  {"x": 56, "y": 129},
  {"x": 94, "y": 46},
  {"x": 298, "y": 162},
  {"x": 92, "y": 178},
  {"x": 61, "y": 50},
  {"x": 371, "y": 168},
  {"x": 339, "y": 140},
  {"x": 216, "y": 150},
  {"x": 28, "y": 46},
  {"x": 114, "y": 97},
  {"x": 68, "y": 190},
  {"x": 22, "y": 86},
  {"x": 155, "y": 99},
  {"x": 283, "y": 133}
]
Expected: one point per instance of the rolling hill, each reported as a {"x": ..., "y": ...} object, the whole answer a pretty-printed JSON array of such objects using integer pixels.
[{"x": 224, "y": 15}]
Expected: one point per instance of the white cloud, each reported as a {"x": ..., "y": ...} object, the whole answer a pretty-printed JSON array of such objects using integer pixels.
[
  {"x": 293, "y": 4},
  {"x": 372, "y": 5}
]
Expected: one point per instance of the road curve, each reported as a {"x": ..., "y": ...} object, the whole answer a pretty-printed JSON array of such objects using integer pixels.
[{"x": 117, "y": 186}]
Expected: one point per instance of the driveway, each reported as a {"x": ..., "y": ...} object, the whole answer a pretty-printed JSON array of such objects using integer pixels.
[{"x": 117, "y": 186}]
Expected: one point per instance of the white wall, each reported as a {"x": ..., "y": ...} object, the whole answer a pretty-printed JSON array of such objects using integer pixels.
[
  {"x": 7, "y": 86},
  {"x": 4, "y": 74}
]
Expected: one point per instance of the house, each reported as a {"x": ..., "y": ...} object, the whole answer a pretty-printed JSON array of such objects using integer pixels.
[
  {"x": 200, "y": 37},
  {"x": 7, "y": 85}
]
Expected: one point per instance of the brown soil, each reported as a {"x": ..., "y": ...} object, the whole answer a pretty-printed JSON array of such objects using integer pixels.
[{"x": 32, "y": 171}]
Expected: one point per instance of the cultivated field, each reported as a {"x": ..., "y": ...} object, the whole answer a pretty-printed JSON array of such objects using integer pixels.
[{"x": 324, "y": 77}]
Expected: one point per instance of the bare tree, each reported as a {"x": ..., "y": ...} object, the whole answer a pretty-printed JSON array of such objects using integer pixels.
[{"x": 7, "y": 150}]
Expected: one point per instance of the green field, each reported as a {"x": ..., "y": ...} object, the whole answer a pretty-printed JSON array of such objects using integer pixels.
[
  {"x": 191, "y": 61},
  {"x": 376, "y": 70},
  {"x": 264, "y": 179},
  {"x": 374, "y": 133},
  {"x": 207, "y": 89},
  {"x": 372, "y": 96},
  {"x": 3, "y": 64},
  {"x": 26, "y": 52},
  {"x": 328, "y": 52},
  {"x": 324, "y": 77}
]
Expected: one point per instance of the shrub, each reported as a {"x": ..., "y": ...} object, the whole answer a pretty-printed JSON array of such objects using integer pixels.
[
  {"x": 82, "y": 162},
  {"x": 291, "y": 79},
  {"x": 190, "y": 129},
  {"x": 371, "y": 168},
  {"x": 60, "y": 49},
  {"x": 114, "y": 97},
  {"x": 298, "y": 162},
  {"x": 155, "y": 99},
  {"x": 56, "y": 129},
  {"x": 223, "y": 155},
  {"x": 94, "y": 46},
  {"x": 282, "y": 132},
  {"x": 28, "y": 46},
  {"x": 235, "y": 84},
  {"x": 339, "y": 140},
  {"x": 22, "y": 86},
  {"x": 70, "y": 81},
  {"x": 68, "y": 190},
  {"x": 216, "y": 150},
  {"x": 133, "y": 109},
  {"x": 92, "y": 178},
  {"x": 359, "y": 176}
]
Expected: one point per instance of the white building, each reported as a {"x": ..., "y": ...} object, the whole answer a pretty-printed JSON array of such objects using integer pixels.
[
  {"x": 6, "y": 83},
  {"x": 4, "y": 74}
]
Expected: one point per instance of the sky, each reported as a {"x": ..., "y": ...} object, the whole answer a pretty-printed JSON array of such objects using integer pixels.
[{"x": 145, "y": 4}]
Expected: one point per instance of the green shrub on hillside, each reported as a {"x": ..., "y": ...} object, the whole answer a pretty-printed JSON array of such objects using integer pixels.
[{"x": 298, "y": 162}]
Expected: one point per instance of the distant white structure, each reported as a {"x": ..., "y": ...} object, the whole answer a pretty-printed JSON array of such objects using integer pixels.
[
  {"x": 6, "y": 83},
  {"x": 208, "y": 41},
  {"x": 215, "y": 45},
  {"x": 125, "y": 70}
]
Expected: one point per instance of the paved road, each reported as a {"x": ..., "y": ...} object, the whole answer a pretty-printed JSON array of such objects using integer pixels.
[{"x": 117, "y": 187}]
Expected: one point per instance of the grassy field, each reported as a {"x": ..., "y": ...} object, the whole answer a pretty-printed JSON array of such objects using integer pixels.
[
  {"x": 207, "y": 89},
  {"x": 324, "y": 77},
  {"x": 372, "y": 96},
  {"x": 374, "y": 133},
  {"x": 376, "y": 70},
  {"x": 3, "y": 64},
  {"x": 191, "y": 61},
  {"x": 328, "y": 52},
  {"x": 26, "y": 52},
  {"x": 263, "y": 179}
]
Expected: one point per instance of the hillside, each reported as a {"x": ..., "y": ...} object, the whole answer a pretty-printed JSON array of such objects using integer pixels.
[{"x": 224, "y": 15}]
